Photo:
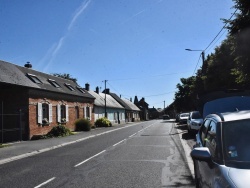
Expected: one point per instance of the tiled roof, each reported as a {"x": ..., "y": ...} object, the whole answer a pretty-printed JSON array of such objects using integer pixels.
[
  {"x": 17, "y": 75},
  {"x": 100, "y": 100},
  {"x": 127, "y": 104}
]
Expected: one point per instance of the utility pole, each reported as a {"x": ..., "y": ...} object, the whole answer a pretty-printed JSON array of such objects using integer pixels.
[
  {"x": 164, "y": 107},
  {"x": 202, "y": 55},
  {"x": 105, "y": 107}
]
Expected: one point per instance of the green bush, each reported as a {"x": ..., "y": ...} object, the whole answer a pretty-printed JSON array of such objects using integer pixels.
[
  {"x": 59, "y": 131},
  {"x": 83, "y": 125},
  {"x": 103, "y": 122}
]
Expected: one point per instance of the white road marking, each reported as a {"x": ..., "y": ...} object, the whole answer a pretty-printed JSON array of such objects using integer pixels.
[
  {"x": 44, "y": 183},
  {"x": 132, "y": 135},
  {"x": 89, "y": 158},
  {"x": 119, "y": 142}
]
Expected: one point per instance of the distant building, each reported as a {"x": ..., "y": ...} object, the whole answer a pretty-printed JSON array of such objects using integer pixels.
[
  {"x": 132, "y": 112},
  {"x": 155, "y": 113},
  {"x": 115, "y": 112},
  {"x": 143, "y": 106}
]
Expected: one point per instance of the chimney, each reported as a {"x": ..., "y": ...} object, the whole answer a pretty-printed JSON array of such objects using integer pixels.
[
  {"x": 107, "y": 91},
  {"x": 87, "y": 86},
  {"x": 28, "y": 65},
  {"x": 130, "y": 99},
  {"x": 97, "y": 90}
]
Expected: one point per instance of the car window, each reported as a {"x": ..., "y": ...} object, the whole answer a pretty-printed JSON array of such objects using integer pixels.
[
  {"x": 210, "y": 140},
  {"x": 203, "y": 131},
  {"x": 196, "y": 115},
  {"x": 236, "y": 136}
]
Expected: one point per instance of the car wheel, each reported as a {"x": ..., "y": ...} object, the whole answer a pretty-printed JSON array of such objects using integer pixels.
[{"x": 196, "y": 176}]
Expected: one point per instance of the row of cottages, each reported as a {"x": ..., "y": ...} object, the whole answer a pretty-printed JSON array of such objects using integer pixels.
[
  {"x": 132, "y": 112},
  {"x": 115, "y": 113},
  {"x": 32, "y": 102}
]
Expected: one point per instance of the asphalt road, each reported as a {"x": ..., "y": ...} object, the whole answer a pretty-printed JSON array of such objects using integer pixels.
[{"x": 148, "y": 155}]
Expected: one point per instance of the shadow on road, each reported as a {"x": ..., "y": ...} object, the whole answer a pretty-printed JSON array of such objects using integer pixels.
[{"x": 185, "y": 135}]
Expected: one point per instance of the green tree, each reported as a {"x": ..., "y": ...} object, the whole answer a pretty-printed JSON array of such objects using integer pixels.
[
  {"x": 184, "y": 96},
  {"x": 239, "y": 29},
  {"x": 65, "y": 76}
]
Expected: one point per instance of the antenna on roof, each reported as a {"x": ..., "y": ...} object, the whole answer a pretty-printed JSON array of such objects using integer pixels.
[{"x": 236, "y": 109}]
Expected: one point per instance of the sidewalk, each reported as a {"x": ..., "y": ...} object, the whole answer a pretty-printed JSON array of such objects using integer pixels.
[{"x": 19, "y": 150}]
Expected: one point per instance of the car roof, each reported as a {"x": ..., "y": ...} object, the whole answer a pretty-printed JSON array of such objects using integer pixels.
[{"x": 231, "y": 116}]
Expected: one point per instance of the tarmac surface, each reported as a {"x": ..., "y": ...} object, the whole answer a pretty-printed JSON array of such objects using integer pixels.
[
  {"x": 22, "y": 149},
  {"x": 19, "y": 150}
]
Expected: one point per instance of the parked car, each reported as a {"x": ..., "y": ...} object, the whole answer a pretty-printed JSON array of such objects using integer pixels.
[
  {"x": 165, "y": 117},
  {"x": 177, "y": 118},
  {"x": 194, "y": 121},
  {"x": 222, "y": 153},
  {"x": 183, "y": 118}
]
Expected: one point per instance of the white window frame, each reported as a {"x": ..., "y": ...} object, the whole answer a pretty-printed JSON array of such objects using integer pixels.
[
  {"x": 59, "y": 115},
  {"x": 40, "y": 113}
]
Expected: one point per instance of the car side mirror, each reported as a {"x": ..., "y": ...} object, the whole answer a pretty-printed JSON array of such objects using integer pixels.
[{"x": 201, "y": 154}]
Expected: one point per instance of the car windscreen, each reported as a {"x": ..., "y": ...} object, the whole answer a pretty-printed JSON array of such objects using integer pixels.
[
  {"x": 196, "y": 115},
  {"x": 236, "y": 139},
  {"x": 184, "y": 115}
]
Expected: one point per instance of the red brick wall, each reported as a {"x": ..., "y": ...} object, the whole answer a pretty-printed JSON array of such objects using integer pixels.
[{"x": 38, "y": 129}]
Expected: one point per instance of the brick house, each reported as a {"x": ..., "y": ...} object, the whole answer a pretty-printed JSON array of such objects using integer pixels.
[{"x": 33, "y": 102}]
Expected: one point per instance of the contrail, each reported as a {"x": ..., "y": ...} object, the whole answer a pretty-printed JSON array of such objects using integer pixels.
[
  {"x": 55, "y": 48},
  {"x": 133, "y": 16},
  {"x": 78, "y": 12}
]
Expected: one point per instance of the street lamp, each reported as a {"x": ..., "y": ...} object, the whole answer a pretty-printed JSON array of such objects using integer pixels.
[{"x": 202, "y": 54}]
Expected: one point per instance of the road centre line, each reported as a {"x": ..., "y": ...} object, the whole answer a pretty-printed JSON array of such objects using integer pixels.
[
  {"x": 119, "y": 142},
  {"x": 45, "y": 182},
  {"x": 90, "y": 158},
  {"x": 132, "y": 135}
]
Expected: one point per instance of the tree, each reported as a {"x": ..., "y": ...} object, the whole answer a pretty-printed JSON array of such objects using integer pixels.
[
  {"x": 239, "y": 29},
  {"x": 184, "y": 97},
  {"x": 65, "y": 76}
]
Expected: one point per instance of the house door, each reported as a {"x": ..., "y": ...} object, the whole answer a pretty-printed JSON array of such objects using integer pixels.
[{"x": 118, "y": 117}]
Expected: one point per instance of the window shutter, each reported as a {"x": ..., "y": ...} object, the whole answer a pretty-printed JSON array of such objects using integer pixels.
[
  {"x": 59, "y": 113},
  {"x": 50, "y": 113},
  {"x": 85, "y": 112},
  {"x": 39, "y": 113},
  {"x": 67, "y": 112}
]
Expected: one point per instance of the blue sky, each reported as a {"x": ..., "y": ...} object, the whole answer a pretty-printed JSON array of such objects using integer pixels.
[{"x": 137, "y": 45}]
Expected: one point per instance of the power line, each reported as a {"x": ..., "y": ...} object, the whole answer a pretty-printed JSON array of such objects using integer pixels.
[
  {"x": 214, "y": 40},
  {"x": 197, "y": 64},
  {"x": 220, "y": 31}
]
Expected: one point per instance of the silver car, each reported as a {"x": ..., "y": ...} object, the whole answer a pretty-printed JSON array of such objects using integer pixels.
[
  {"x": 222, "y": 152},
  {"x": 194, "y": 121}
]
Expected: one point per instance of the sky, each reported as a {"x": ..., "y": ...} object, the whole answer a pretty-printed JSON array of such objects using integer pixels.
[{"x": 138, "y": 46}]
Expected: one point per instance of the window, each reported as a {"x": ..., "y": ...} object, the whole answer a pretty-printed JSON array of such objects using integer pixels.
[
  {"x": 80, "y": 89},
  {"x": 44, "y": 111},
  {"x": 211, "y": 139},
  {"x": 62, "y": 113},
  {"x": 204, "y": 131},
  {"x": 34, "y": 78},
  {"x": 54, "y": 83},
  {"x": 77, "y": 112},
  {"x": 87, "y": 115},
  {"x": 69, "y": 87}
]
